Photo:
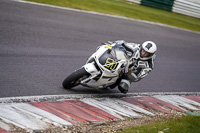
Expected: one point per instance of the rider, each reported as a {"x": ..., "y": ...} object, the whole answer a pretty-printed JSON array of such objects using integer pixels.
[{"x": 141, "y": 62}]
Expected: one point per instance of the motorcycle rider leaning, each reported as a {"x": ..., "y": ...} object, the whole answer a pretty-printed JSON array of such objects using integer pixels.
[{"x": 141, "y": 62}]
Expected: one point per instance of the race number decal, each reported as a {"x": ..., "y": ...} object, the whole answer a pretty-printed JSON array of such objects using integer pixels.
[{"x": 111, "y": 64}]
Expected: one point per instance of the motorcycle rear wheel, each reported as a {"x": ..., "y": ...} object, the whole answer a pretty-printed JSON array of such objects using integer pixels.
[{"x": 75, "y": 78}]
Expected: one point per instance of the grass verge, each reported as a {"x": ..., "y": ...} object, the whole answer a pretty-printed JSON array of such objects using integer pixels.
[
  {"x": 185, "y": 124},
  {"x": 131, "y": 10}
]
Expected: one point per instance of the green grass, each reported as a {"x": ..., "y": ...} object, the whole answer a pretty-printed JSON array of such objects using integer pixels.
[
  {"x": 186, "y": 124},
  {"x": 131, "y": 10}
]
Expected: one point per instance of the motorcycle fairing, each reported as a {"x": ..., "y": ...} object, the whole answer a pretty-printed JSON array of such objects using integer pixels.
[{"x": 109, "y": 59}]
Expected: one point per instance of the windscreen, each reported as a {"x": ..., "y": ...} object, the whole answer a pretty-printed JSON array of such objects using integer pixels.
[{"x": 109, "y": 58}]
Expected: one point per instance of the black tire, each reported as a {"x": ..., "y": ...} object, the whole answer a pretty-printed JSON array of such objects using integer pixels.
[{"x": 75, "y": 78}]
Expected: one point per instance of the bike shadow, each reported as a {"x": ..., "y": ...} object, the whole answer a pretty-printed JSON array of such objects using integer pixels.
[{"x": 87, "y": 90}]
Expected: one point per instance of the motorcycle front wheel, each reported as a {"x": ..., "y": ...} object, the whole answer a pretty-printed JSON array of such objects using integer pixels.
[{"x": 75, "y": 78}]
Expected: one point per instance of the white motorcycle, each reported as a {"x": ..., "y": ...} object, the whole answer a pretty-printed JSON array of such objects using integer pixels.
[{"x": 103, "y": 69}]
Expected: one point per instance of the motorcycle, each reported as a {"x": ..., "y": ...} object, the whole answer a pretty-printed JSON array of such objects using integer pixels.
[{"x": 103, "y": 69}]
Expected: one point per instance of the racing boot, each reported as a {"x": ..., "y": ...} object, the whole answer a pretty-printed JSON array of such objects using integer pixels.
[{"x": 124, "y": 85}]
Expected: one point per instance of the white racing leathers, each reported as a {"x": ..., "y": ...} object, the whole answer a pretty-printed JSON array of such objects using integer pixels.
[{"x": 138, "y": 69}]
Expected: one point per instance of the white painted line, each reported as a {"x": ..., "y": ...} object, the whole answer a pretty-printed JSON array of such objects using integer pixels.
[
  {"x": 184, "y": 102},
  {"x": 118, "y": 108},
  {"x": 41, "y": 114},
  {"x": 175, "y": 100},
  {"x": 4, "y": 126},
  {"x": 134, "y": 107},
  {"x": 188, "y": 101},
  {"x": 15, "y": 116},
  {"x": 163, "y": 98},
  {"x": 102, "y": 14},
  {"x": 104, "y": 108}
]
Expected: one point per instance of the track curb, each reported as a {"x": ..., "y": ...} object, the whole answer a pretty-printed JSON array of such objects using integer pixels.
[{"x": 42, "y": 113}]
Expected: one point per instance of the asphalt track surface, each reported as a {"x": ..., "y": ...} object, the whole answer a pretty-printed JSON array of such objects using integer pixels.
[{"x": 40, "y": 46}]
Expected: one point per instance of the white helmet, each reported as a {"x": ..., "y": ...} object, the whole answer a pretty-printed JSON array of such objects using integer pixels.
[{"x": 147, "y": 50}]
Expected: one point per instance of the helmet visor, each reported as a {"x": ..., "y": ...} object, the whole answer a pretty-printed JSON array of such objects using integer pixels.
[{"x": 145, "y": 54}]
